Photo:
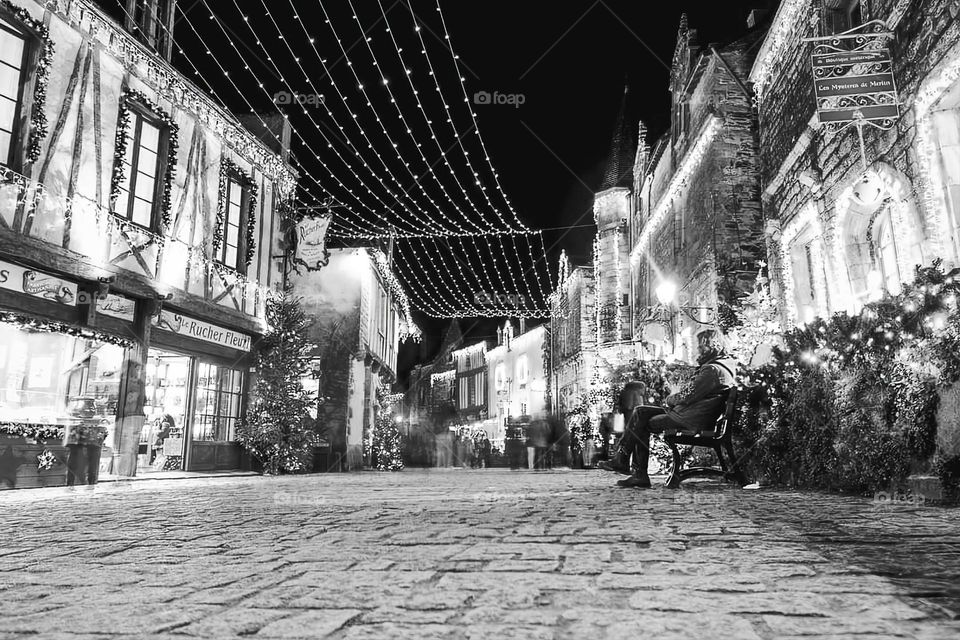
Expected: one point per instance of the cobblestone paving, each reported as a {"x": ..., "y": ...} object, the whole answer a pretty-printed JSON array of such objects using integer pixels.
[{"x": 470, "y": 554}]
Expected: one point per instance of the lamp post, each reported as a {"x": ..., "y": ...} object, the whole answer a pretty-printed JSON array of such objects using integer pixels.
[{"x": 667, "y": 310}]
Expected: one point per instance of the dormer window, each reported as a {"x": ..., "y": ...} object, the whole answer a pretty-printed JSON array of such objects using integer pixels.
[
  {"x": 151, "y": 21},
  {"x": 842, "y": 15}
]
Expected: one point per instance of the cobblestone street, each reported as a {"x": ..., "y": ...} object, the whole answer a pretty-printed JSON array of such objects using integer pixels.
[{"x": 471, "y": 554}]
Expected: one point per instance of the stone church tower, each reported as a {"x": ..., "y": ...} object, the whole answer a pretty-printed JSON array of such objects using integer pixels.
[{"x": 611, "y": 213}]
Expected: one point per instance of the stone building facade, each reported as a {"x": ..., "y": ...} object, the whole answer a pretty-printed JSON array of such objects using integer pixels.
[
  {"x": 843, "y": 228},
  {"x": 573, "y": 335},
  {"x": 696, "y": 230}
]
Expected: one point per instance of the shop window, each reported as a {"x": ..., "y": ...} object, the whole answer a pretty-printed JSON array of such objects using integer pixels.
[
  {"x": 218, "y": 403},
  {"x": 13, "y": 56},
  {"x": 842, "y": 15},
  {"x": 57, "y": 379},
  {"x": 140, "y": 191}
]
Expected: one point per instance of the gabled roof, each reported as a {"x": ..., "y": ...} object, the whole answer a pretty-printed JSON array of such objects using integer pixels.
[{"x": 619, "y": 170}]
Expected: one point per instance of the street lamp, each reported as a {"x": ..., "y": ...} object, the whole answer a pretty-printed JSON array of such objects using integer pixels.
[{"x": 666, "y": 311}]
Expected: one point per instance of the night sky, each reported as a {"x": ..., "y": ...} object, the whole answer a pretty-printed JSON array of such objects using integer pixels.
[{"x": 569, "y": 60}]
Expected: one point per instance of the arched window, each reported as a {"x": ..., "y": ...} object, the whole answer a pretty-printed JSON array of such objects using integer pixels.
[
  {"x": 500, "y": 377},
  {"x": 885, "y": 252},
  {"x": 523, "y": 370}
]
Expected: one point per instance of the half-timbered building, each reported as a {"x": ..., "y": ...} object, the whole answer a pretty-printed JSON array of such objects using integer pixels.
[{"x": 138, "y": 220}]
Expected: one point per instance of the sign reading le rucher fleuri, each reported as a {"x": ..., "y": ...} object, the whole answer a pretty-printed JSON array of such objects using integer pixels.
[
  {"x": 311, "y": 248},
  {"x": 853, "y": 78}
]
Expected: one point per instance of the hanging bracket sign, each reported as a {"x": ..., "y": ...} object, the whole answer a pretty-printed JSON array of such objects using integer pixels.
[
  {"x": 311, "y": 235},
  {"x": 853, "y": 79}
]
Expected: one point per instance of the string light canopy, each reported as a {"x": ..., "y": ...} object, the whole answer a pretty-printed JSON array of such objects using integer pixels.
[{"x": 379, "y": 145}]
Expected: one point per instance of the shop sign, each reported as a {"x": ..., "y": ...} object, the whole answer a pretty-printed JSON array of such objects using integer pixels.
[
  {"x": 173, "y": 447},
  {"x": 36, "y": 283},
  {"x": 186, "y": 326},
  {"x": 853, "y": 79},
  {"x": 116, "y": 306},
  {"x": 311, "y": 234}
]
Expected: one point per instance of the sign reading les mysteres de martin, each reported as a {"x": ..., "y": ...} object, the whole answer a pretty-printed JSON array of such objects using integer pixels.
[
  {"x": 186, "y": 326},
  {"x": 855, "y": 84}
]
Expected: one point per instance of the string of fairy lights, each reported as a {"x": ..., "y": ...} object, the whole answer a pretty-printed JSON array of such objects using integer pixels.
[{"x": 487, "y": 253}]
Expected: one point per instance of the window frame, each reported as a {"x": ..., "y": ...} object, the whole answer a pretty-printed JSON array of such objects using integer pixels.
[
  {"x": 141, "y": 114},
  {"x": 235, "y": 175},
  {"x": 843, "y": 16},
  {"x": 32, "y": 43}
]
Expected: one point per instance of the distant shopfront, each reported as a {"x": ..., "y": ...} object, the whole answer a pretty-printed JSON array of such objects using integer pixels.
[{"x": 63, "y": 366}]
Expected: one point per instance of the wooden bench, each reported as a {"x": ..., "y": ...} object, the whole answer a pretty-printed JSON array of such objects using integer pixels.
[{"x": 719, "y": 440}]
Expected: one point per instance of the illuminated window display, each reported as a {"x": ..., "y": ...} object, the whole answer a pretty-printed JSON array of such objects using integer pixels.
[
  {"x": 58, "y": 379},
  {"x": 187, "y": 400}
]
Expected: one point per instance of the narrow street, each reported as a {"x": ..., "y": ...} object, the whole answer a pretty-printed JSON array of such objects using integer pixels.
[{"x": 471, "y": 554}]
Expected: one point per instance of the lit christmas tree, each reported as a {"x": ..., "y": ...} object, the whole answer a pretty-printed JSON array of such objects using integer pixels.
[
  {"x": 275, "y": 427},
  {"x": 386, "y": 442}
]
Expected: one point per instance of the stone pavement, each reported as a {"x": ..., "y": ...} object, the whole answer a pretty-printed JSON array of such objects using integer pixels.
[{"x": 471, "y": 554}]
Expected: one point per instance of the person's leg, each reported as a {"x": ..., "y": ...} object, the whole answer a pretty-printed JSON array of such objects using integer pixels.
[
  {"x": 633, "y": 438},
  {"x": 93, "y": 463},
  {"x": 74, "y": 463},
  {"x": 650, "y": 421}
]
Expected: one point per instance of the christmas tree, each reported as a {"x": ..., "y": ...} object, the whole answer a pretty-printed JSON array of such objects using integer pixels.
[
  {"x": 386, "y": 445},
  {"x": 275, "y": 429}
]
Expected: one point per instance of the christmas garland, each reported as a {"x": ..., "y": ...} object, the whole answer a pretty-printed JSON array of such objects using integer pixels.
[
  {"x": 124, "y": 118},
  {"x": 35, "y": 432},
  {"x": 49, "y": 326},
  {"x": 408, "y": 328},
  {"x": 229, "y": 168},
  {"x": 38, "y": 118}
]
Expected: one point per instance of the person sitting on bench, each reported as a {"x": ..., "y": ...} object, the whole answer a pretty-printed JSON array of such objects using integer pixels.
[{"x": 694, "y": 408}]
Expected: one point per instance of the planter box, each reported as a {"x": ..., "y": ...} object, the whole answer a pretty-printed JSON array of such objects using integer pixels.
[{"x": 18, "y": 464}]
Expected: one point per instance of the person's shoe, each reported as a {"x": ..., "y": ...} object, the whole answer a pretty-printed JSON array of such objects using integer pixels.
[
  {"x": 618, "y": 464},
  {"x": 633, "y": 482}
]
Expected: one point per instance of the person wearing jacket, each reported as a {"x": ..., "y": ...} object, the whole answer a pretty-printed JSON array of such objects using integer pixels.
[{"x": 695, "y": 407}]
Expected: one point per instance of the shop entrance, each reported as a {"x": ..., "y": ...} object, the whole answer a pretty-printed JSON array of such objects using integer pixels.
[{"x": 163, "y": 438}]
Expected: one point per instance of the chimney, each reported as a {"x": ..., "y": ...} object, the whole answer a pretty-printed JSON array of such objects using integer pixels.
[{"x": 523, "y": 326}]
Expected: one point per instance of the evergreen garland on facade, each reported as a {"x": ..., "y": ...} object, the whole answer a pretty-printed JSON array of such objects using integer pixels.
[
  {"x": 50, "y": 326},
  {"x": 124, "y": 119},
  {"x": 38, "y": 118},
  {"x": 229, "y": 168}
]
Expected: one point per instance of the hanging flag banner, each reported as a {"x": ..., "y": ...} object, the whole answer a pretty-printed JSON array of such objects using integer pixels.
[
  {"x": 311, "y": 236},
  {"x": 853, "y": 78}
]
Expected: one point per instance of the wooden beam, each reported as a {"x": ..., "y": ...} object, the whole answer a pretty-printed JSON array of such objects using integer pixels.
[{"x": 79, "y": 268}]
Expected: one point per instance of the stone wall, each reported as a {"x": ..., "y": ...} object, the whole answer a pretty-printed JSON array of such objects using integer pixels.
[
  {"x": 715, "y": 228},
  {"x": 805, "y": 168}
]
